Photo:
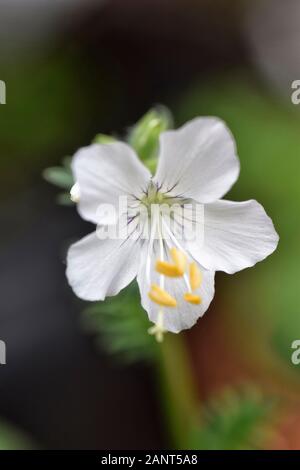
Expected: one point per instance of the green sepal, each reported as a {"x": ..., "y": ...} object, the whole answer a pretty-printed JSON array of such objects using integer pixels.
[
  {"x": 103, "y": 139},
  {"x": 64, "y": 199},
  {"x": 60, "y": 176},
  {"x": 144, "y": 136}
]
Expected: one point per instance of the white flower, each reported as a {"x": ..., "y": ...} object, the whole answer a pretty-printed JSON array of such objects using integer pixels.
[{"x": 197, "y": 164}]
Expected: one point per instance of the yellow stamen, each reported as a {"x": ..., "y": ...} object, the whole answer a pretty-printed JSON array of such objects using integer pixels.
[
  {"x": 167, "y": 269},
  {"x": 161, "y": 297},
  {"x": 172, "y": 270},
  {"x": 192, "y": 299},
  {"x": 179, "y": 259},
  {"x": 195, "y": 276}
]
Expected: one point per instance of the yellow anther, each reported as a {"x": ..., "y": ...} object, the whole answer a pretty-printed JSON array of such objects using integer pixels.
[
  {"x": 179, "y": 259},
  {"x": 167, "y": 269},
  {"x": 195, "y": 276},
  {"x": 192, "y": 299},
  {"x": 161, "y": 297},
  {"x": 172, "y": 270}
]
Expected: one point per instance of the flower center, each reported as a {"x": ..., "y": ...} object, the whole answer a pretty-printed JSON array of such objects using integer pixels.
[{"x": 153, "y": 196}]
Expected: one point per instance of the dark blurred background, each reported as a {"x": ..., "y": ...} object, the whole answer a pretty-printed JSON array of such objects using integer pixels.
[{"x": 75, "y": 68}]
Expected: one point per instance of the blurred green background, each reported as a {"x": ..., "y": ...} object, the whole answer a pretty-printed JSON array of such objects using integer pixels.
[{"x": 74, "y": 69}]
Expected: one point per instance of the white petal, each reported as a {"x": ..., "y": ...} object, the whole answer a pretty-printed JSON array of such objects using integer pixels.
[
  {"x": 184, "y": 315},
  {"x": 104, "y": 173},
  {"x": 99, "y": 268},
  {"x": 236, "y": 236},
  {"x": 198, "y": 160}
]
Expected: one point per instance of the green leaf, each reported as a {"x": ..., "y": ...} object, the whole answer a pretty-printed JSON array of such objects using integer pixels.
[
  {"x": 121, "y": 326},
  {"x": 144, "y": 136},
  {"x": 235, "y": 420},
  {"x": 12, "y": 439},
  {"x": 103, "y": 139},
  {"x": 59, "y": 176}
]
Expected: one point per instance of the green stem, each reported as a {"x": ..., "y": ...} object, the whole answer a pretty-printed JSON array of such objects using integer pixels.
[{"x": 179, "y": 397}]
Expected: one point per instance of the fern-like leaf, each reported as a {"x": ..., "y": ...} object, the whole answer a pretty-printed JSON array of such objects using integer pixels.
[
  {"x": 234, "y": 421},
  {"x": 121, "y": 326}
]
